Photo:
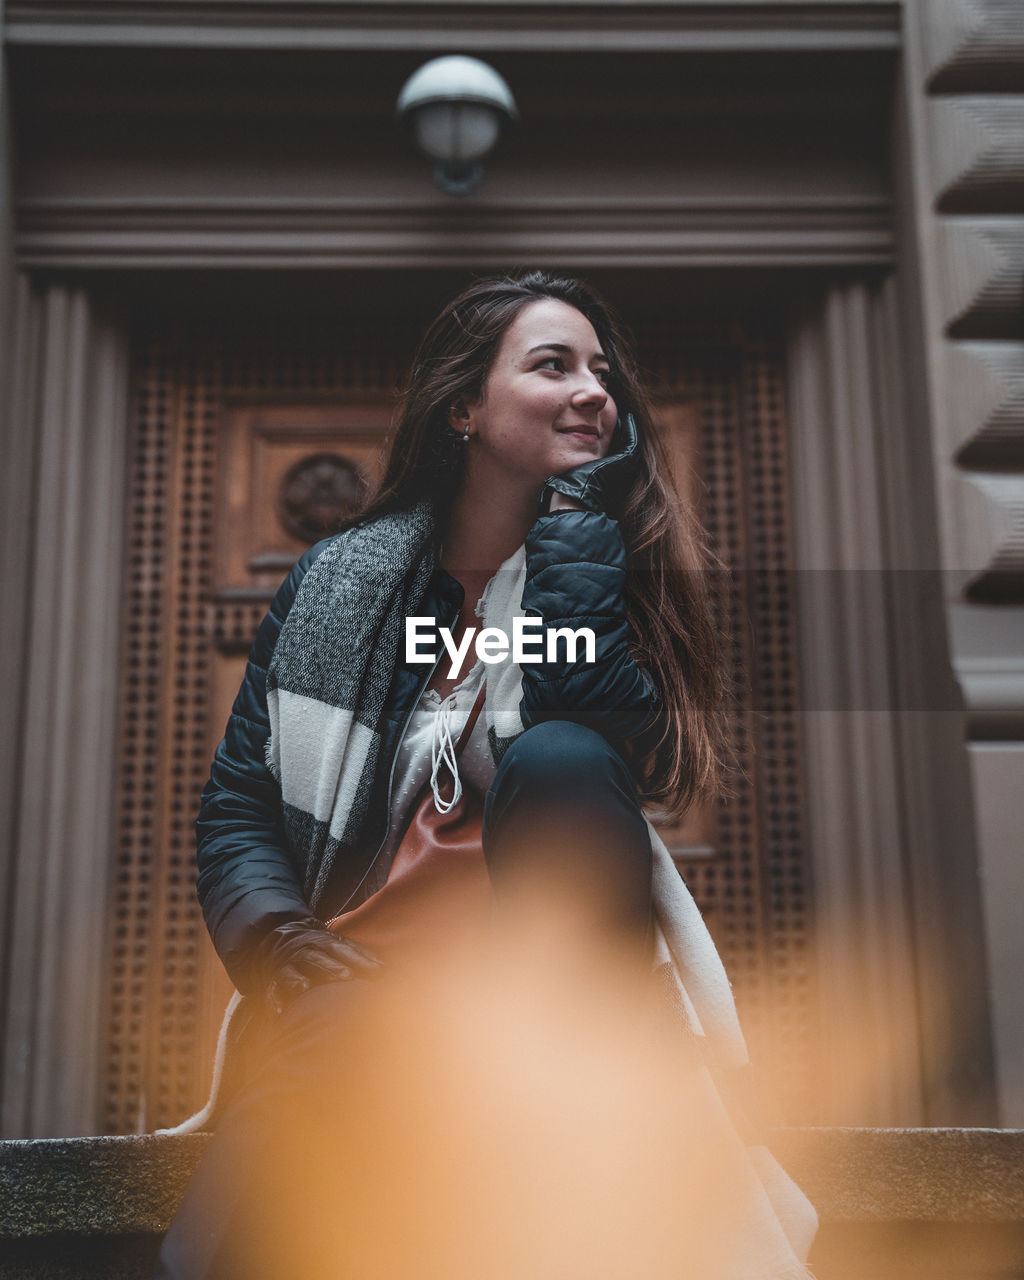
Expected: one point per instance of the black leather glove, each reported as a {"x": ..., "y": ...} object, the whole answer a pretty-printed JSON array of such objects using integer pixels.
[
  {"x": 302, "y": 954},
  {"x": 603, "y": 483}
]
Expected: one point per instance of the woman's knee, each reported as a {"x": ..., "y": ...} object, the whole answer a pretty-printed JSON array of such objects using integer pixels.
[
  {"x": 561, "y": 785},
  {"x": 563, "y": 816},
  {"x": 560, "y": 754}
]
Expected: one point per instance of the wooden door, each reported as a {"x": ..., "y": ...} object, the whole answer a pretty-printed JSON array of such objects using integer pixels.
[{"x": 248, "y": 447}]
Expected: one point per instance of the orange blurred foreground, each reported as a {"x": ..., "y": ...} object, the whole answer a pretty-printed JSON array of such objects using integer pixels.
[{"x": 540, "y": 1113}]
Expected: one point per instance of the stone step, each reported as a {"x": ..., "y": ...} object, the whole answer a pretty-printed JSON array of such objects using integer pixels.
[{"x": 895, "y": 1204}]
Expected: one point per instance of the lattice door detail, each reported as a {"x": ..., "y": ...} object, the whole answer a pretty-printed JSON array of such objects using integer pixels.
[
  {"x": 194, "y": 598},
  {"x": 750, "y": 874}
]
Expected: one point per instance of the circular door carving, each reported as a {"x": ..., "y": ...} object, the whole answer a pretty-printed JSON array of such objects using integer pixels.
[{"x": 318, "y": 494}]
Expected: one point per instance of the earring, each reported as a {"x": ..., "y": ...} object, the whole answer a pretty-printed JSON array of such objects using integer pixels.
[{"x": 465, "y": 436}]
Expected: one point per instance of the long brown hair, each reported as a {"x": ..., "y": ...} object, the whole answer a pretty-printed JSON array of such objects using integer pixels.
[{"x": 666, "y": 598}]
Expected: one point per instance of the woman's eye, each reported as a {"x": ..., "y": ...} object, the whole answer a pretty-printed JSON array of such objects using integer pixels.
[{"x": 557, "y": 363}]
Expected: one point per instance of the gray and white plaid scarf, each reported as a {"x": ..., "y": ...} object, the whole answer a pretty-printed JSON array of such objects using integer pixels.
[{"x": 329, "y": 679}]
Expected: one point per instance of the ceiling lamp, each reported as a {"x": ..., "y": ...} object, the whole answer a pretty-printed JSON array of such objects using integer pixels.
[{"x": 456, "y": 107}]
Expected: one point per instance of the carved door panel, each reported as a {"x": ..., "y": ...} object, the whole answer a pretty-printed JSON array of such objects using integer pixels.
[
  {"x": 289, "y": 473},
  {"x": 248, "y": 447}
]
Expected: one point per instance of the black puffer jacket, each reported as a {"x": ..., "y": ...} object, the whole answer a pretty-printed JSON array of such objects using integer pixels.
[{"x": 576, "y": 571}]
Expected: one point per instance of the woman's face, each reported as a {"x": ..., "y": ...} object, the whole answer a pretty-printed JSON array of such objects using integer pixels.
[{"x": 545, "y": 405}]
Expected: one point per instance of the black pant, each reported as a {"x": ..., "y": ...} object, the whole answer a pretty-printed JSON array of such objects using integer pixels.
[
  {"x": 562, "y": 818},
  {"x": 561, "y": 822}
]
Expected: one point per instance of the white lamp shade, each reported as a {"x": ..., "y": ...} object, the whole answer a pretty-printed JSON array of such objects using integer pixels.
[{"x": 455, "y": 78}]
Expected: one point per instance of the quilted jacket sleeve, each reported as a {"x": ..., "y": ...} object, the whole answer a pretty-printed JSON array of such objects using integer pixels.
[
  {"x": 247, "y": 883},
  {"x": 575, "y": 577}
]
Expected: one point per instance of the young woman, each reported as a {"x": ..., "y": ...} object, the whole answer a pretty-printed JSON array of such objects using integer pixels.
[{"x": 524, "y": 480}]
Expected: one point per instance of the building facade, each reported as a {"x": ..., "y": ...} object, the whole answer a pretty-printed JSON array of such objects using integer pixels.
[{"x": 216, "y": 249}]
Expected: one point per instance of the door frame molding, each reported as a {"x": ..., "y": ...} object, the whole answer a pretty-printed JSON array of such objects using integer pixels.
[
  {"x": 900, "y": 937},
  {"x": 469, "y": 26},
  {"x": 262, "y": 232},
  {"x": 69, "y": 417}
]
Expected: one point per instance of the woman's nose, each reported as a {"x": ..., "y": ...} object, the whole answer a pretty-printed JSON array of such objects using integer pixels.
[{"x": 591, "y": 391}]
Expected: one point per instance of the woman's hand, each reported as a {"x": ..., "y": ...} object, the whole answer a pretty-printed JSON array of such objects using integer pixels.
[
  {"x": 601, "y": 484},
  {"x": 576, "y": 569},
  {"x": 302, "y": 954}
]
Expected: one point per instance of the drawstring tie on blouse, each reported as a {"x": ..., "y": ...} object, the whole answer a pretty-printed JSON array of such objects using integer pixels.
[
  {"x": 442, "y": 746},
  {"x": 442, "y": 752}
]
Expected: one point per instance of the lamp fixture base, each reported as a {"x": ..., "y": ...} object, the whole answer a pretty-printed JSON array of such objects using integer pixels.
[{"x": 459, "y": 179}]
